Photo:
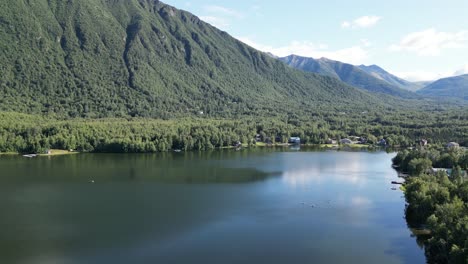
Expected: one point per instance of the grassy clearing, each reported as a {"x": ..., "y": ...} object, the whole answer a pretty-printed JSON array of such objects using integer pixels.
[
  {"x": 59, "y": 152},
  {"x": 8, "y": 153}
]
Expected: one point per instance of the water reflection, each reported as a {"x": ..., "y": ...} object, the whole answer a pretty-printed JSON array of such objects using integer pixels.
[
  {"x": 265, "y": 206},
  {"x": 303, "y": 171}
]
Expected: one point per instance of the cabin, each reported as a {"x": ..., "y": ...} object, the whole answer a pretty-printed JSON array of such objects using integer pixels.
[
  {"x": 278, "y": 139},
  {"x": 346, "y": 141},
  {"x": 382, "y": 142},
  {"x": 448, "y": 171},
  {"x": 423, "y": 142},
  {"x": 434, "y": 171},
  {"x": 362, "y": 140},
  {"x": 258, "y": 138},
  {"x": 294, "y": 140},
  {"x": 452, "y": 145}
]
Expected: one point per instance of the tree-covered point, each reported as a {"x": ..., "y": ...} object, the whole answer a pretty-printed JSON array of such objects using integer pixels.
[{"x": 438, "y": 201}]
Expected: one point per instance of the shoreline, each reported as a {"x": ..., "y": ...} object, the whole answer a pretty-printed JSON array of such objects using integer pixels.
[
  {"x": 59, "y": 152},
  {"x": 53, "y": 152}
]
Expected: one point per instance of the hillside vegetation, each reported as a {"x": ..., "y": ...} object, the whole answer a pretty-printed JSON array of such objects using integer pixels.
[
  {"x": 142, "y": 76},
  {"x": 456, "y": 87},
  {"x": 97, "y": 58},
  {"x": 438, "y": 201}
]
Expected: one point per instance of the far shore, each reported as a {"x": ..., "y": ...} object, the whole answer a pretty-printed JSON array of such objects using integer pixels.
[
  {"x": 52, "y": 152},
  {"x": 60, "y": 152},
  {"x": 327, "y": 146}
]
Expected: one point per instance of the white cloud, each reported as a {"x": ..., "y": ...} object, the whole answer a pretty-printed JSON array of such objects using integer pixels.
[
  {"x": 220, "y": 16},
  {"x": 255, "y": 7},
  {"x": 218, "y": 22},
  {"x": 345, "y": 24},
  {"x": 362, "y": 22},
  {"x": 416, "y": 76},
  {"x": 256, "y": 10},
  {"x": 463, "y": 70},
  {"x": 431, "y": 42},
  {"x": 355, "y": 55},
  {"x": 223, "y": 11},
  {"x": 366, "y": 43}
]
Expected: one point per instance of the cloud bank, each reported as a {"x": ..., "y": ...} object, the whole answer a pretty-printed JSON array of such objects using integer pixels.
[
  {"x": 357, "y": 54},
  {"x": 361, "y": 22},
  {"x": 431, "y": 42}
]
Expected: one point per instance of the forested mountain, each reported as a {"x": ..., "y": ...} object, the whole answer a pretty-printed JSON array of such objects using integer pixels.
[
  {"x": 100, "y": 58},
  {"x": 99, "y": 75},
  {"x": 382, "y": 74},
  {"x": 456, "y": 87},
  {"x": 347, "y": 73}
]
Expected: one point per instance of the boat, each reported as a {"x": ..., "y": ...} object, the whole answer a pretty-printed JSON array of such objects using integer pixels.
[
  {"x": 395, "y": 182},
  {"x": 30, "y": 155}
]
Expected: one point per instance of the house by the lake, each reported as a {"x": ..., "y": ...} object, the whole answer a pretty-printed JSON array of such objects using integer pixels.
[
  {"x": 423, "y": 142},
  {"x": 382, "y": 142},
  {"x": 294, "y": 140},
  {"x": 346, "y": 141},
  {"x": 452, "y": 145},
  {"x": 362, "y": 140},
  {"x": 436, "y": 170},
  {"x": 448, "y": 171}
]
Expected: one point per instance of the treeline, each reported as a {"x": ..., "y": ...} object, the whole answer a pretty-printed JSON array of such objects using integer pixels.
[
  {"x": 35, "y": 134},
  {"x": 438, "y": 201}
]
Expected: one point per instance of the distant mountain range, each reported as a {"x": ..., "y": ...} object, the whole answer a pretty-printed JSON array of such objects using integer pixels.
[
  {"x": 375, "y": 79},
  {"x": 381, "y": 74},
  {"x": 370, "y": 78},
  {"x": 456, "y": 87}
]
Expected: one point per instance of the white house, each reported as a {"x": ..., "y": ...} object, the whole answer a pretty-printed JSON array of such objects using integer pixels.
[{"x": 346, "y": 141}]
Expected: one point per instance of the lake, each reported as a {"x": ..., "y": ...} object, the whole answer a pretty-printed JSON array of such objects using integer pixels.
[{"x": 249, "y": 206}]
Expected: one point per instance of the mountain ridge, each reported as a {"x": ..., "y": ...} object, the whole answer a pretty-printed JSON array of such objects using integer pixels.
[
  {"x": 451, "y": 87},
  {"x": 382, "y": 74},
  {"x": 347, "y": 73},
  {"x": 145, "y": 58}
]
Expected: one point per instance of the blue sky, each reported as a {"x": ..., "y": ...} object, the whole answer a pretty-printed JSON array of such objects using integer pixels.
[{"x": 416, "y": 40}]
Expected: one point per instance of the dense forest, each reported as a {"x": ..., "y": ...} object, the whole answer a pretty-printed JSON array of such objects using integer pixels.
[
  {"x": 140, "y": 58},
  {"x": 134, "y": 76},
  {"x": 438, "y": 200},
  {"x": 142, "y": 76},
  {"x": 34, "y": 134}
]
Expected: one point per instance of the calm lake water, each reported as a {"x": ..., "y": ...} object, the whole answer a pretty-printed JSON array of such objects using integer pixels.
[{"x": 262, "y": 206}]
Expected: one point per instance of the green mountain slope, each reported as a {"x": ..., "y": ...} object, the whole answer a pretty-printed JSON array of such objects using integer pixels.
[
  {"x": 105, "y": 58},
  {"x": 454, "y": 87},
  {"x": 383, "y": 75},
  {"x": 347, "y": 73}
]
